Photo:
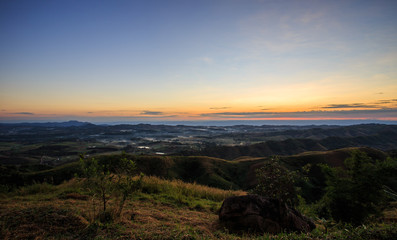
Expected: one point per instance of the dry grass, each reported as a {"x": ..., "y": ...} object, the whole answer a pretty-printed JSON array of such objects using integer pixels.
[
  {"x": 390, "y": 214},
  {"x": 63, "y": 212},
  {"x": 68, "y": 214},
  {"x": 155, "y": 185},
  {"x": 40, "y": 222},
  {"x": 158, "y": 221},
  {"x": 69, "y": 218}
]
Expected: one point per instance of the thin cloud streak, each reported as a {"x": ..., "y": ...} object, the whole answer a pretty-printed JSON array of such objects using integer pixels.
[
  {"x": 380, "y": 104},
  {"x": 23, "y": 113},
  {"x": 354, "y": 105},
  {"x": 151, "y": 113},
  {"x": 368, "y": 114}
]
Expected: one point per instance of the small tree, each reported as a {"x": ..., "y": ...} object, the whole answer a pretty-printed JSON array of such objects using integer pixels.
[
  {"x": 276, "y": 181},
  {"x": 126, "y": 183},
  {"x": 107, "y": 179},
  {"x": 355, "y": 192},
  {"x": 99, "y": 179}
]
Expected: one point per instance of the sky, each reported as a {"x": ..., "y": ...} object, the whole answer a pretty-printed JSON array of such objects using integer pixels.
[{"x": 188, "y": 60}]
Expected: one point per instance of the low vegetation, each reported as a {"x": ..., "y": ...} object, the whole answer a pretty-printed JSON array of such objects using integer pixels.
[
  {"x": 162, "y": 210},
  {"x": 355, "y": 193},
  {"x": 276, "y": 181},
  {"x": 109, "y": 199}
]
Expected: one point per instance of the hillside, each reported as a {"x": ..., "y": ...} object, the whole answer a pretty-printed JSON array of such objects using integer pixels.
[
  {"x": 214, "y": 172},
  {"x": 204, "y": 170},
  {"x": 384, "y": 139},
  {"x": 174, "y": 201},
  {"x": 161, "y": 210}
]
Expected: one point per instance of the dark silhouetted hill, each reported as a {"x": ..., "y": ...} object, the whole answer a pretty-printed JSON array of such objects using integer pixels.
[{"x": 383, "y": 137}]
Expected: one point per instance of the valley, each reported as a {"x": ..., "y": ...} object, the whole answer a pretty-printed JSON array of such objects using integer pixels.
[{"x": 59, "y": 143}]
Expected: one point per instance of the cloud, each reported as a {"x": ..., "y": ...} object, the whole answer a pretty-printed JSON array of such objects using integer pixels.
[
  {"x": 353, "y": 105},
  {"x": 380, "y": 104},
  {"x": 23, "y": 113},
  {"x": 279, "y": 32},
  {"x": 385, "y": 101},
  {"x": 219, "y": 108},
  {"x": 340, "y": 114},
  {"x": 234, "y": 114},
  {"x": 151, "y": 113},
  {"x": 147, "y": 117}
]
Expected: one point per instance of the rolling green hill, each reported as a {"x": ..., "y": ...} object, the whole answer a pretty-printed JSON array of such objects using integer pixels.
[
  {"x": 210, "y": 171},
  {"x": 380, "y": 137}
]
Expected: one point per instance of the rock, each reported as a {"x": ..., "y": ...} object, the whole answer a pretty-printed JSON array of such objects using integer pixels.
[{"x": 260, "y": 214}]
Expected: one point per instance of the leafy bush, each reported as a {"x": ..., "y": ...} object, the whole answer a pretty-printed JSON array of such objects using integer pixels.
[
  {"x": 355, "y": 192},
  {"x": 276, "y": 181}
]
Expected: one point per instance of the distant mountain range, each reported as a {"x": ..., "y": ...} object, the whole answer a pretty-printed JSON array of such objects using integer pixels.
[{"x": 225, "y": 123}]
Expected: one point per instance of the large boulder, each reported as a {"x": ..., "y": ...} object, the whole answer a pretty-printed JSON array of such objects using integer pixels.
[{"x": 260, "y": 214}]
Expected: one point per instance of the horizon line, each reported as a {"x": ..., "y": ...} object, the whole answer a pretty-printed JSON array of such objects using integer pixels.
[{"x": 218, "y": 122}]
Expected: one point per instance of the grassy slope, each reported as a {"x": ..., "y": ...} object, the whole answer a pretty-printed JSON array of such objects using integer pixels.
[
  {"x": 204, "y": 170},
  {"x": 163, "y": 210},
  {"x": 215, "y": 172}
]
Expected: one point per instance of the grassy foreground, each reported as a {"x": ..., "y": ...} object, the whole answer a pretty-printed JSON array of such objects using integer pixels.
[{"x": 162, "y": 210}]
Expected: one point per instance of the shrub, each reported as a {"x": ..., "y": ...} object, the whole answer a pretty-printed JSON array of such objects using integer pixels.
[
  {"x": 276, "y": 181},
  {"x": 110, "y": 179},
  {"x": 355, "y": 192}
]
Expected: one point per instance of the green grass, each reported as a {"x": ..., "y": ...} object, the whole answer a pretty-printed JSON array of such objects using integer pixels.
[
  {"x": 203, "y": 170},
  {"x": 165, "y": 209},
  {"x": 209, "y": 171},
  {"x": 179, "y": 193}
]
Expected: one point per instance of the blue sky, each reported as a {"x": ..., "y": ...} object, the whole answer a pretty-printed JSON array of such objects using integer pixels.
[{"x": 198, "y": 60}]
